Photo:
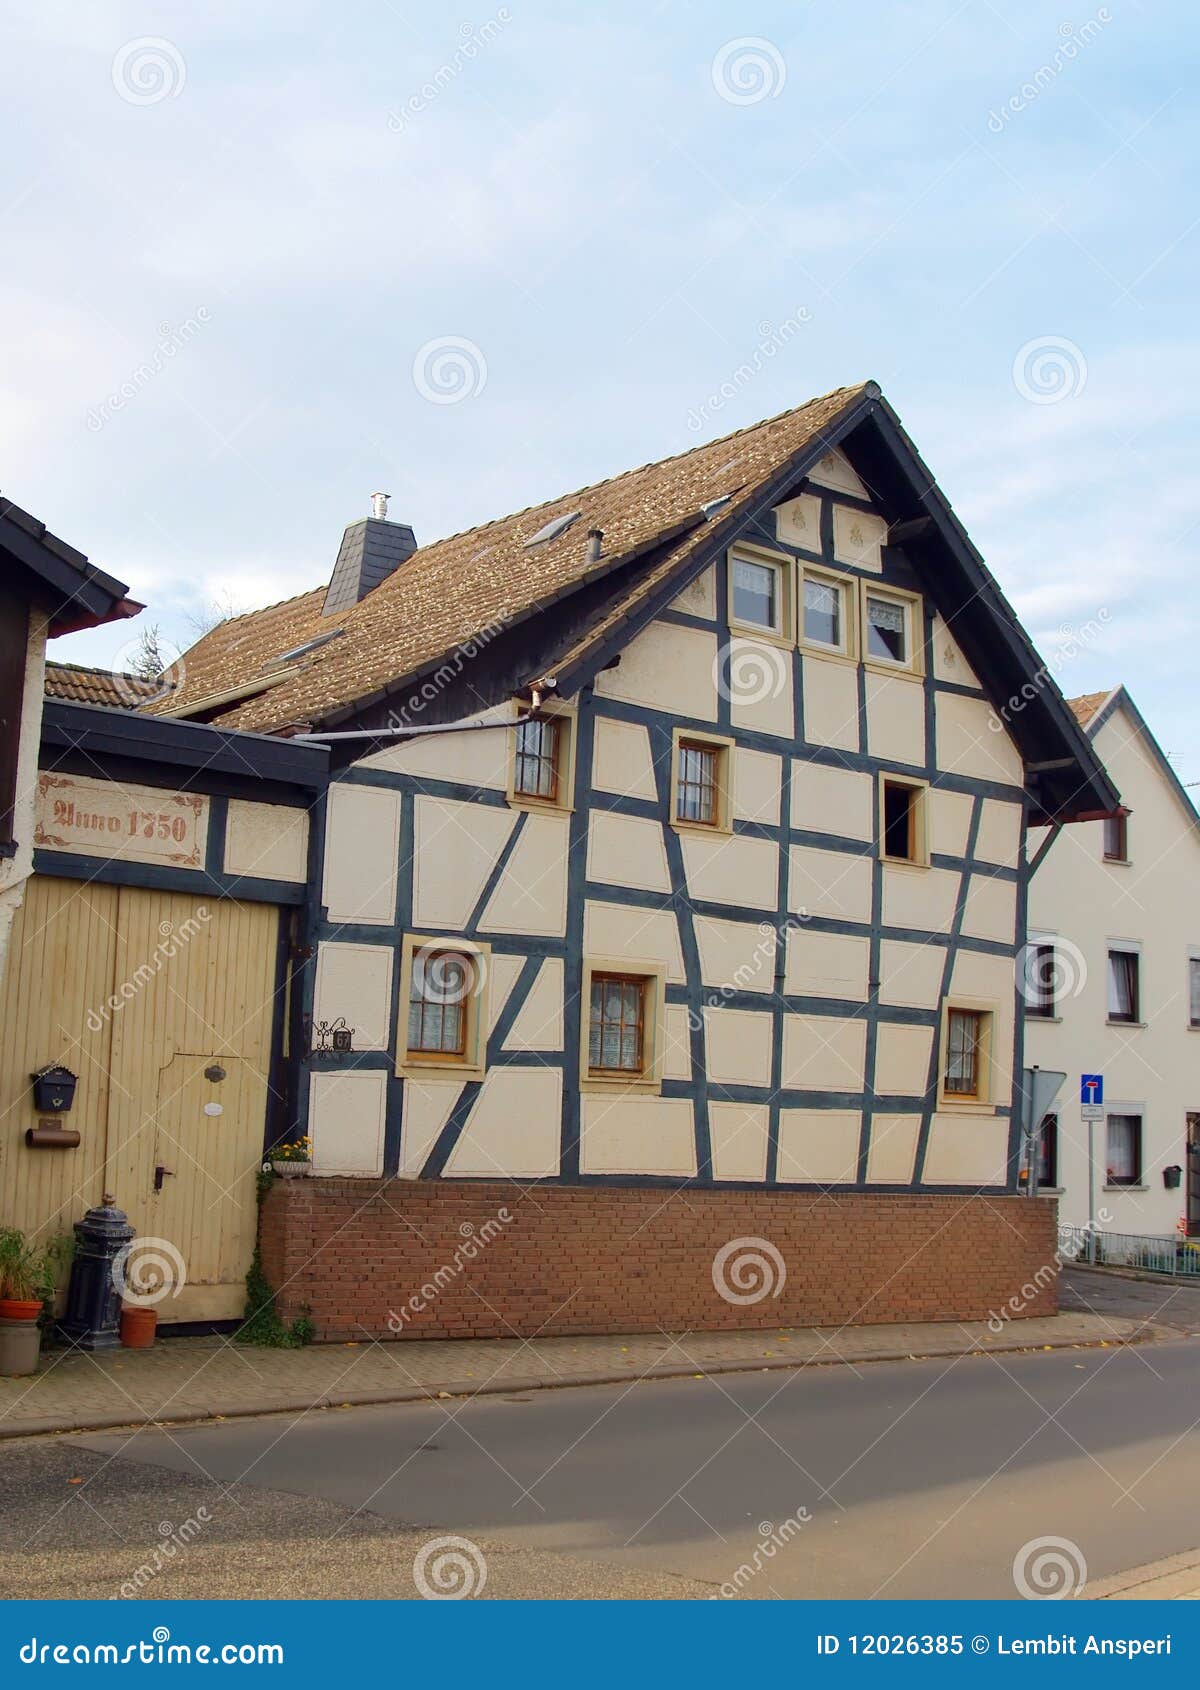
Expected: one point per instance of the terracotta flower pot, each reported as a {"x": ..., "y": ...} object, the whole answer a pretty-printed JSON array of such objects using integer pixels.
[
  {"x": 138, "y": 1326},
  {"x": 20, "y": 1308}
]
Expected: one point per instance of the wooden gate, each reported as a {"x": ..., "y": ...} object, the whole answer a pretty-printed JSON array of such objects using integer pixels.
[{"x": 163, "y": 1005}]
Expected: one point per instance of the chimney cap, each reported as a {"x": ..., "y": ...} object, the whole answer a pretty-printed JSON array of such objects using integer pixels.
[{"x": 379, "y": 505}]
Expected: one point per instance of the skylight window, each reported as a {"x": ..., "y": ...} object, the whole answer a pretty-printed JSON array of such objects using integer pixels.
[
  {"x": 556, "y": 526},
  {"x": 303, "y": 650}
]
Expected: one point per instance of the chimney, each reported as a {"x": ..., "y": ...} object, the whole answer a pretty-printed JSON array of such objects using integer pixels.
[{"x": 370, "y": 551}]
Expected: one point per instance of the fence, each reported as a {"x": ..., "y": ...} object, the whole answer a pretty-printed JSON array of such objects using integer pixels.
[{"x": 1178, "y": 1257}]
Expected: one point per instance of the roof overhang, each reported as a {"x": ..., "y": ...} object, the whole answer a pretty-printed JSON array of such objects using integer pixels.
[{"x": 59, "y": 579}]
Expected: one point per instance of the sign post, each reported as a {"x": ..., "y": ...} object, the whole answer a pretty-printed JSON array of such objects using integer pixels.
[{"x": 1091, "y": 1110}]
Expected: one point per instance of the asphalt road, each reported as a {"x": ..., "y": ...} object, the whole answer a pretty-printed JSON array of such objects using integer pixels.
[{"x": 921, "y": 1479}]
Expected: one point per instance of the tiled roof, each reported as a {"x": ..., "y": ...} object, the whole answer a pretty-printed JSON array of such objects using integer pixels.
[
  {"x": 1083, "y": 709},
  {"x": 451, "y": 591},
  {"x": 80, "y": 685}
]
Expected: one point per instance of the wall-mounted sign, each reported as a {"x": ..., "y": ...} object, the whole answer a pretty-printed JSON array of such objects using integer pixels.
[{"x": 102, "y": 818}]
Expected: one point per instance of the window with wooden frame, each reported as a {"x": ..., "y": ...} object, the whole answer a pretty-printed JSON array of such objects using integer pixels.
[
  {"x": 892, "y": 630},
  {"x": 622, "y": 1025},
  {"x": 700, "y": 781},
  {"x": 443, "y": 1008},
  {"x": 902, "y": 821},
  {"x": 760, "y": 593},
  {"x": 540, "y": 769},
  {"x": 1124, "y": 986},
  {"x": 1116, "y": 839},
  {"x": 826, "y": 612},
  {"x": 966, "y": 1054}
]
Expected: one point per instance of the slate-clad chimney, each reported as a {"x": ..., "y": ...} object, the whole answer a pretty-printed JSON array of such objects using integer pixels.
[{"x": 369, "y": 552}]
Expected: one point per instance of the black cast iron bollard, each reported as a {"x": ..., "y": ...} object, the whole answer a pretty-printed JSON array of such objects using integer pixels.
[{"x": 93, "y": 1312}]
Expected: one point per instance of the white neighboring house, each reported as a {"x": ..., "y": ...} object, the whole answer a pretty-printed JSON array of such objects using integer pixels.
[{"x": 1112, "y": 985}]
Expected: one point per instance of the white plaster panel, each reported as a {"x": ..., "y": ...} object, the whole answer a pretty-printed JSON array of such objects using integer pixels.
[
  {"x": 426, "y": 1109},
  {"x": 362, "y": 851},
  {"x": 834, "y": 470},
  {"x": 924, "y": 899},
  {"x": 627, "y": 851},
  {"x": 827, "y": 965},
  {"x": 972, "y": 740},
  {"x": 503, "y": 972},
  {"x": 736, "y": 953},
  {"x": 739, "y": 1137},
  {"x": 637, "y": 1135},
  {"x": 677, "y": 1043},
  {"x": 354, "y": 982},
  {"x": 266, "y": 841},
  {"x": 830, "y": 702},
  {"x": 757, "y": 783},
  {"x": 666, "y": 668},
  {"x": 699, "y": 598},
  {"x": 737, "y": 1047},
  {"x": 456, "y": 847},
  {"x": 895, "y": 719},
  {"x": 531, "y": 896},
  {"x": 902, "y": 1060},
  {"x": 892, "y": 1150},
  {"x": 832, "y": 800},
  {"x": 474, "y": 759},
  {"x": 819, "y": 1146},
  {"x": 999, "y": 833},
  {"x": 858, "y": 537},
  {"x": 514, "y": 1130},
  {"x": 621, "y": 760},
  {"x": 836, "y": 884},
  {"x": 798, "y": 523},
  {"x": 621, "y": 933},
  {"x": 760, "y": 686},
  {"x": 991, "y": 911},
  {"x": 539, "y": 1022},
  {"x": 949, "y": 821},
  {"x": 911, "y": 974},
  {"x": 949, "y": 664},
  {"x": 346, "y": 1113},
  {"x": 727, "y": 869},
  {"x": 967, "y": 1150},
  {"x": 823, "y": 1052}
]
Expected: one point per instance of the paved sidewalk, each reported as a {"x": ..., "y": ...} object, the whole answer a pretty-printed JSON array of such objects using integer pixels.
[
  {"x": 204, "y": 1378},
  {"x": 1174, "y": 1579}
]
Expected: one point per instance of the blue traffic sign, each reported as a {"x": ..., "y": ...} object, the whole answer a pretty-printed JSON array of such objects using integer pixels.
[{"x": 1091, "y": 1088}]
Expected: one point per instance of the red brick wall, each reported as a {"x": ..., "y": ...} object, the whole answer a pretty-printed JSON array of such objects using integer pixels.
[{"x": 571, "y": 1259}]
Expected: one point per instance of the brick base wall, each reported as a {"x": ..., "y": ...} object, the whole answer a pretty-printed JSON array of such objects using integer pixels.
[{"x": 440, "y": 1259}]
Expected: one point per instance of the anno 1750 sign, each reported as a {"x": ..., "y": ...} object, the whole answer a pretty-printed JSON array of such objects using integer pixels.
[{"x": 100, "y": 818}]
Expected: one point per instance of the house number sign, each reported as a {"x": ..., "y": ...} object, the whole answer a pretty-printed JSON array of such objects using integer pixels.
[{"x": 99, "y": 818}]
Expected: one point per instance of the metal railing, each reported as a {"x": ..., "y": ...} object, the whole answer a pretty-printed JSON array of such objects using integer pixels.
[{"x": 1176, "y": 1256}]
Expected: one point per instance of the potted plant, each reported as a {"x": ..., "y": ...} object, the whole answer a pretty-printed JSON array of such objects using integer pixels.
[
  {"x": 28, "y": 1280},
  {"x": 292, "y": 1161}
]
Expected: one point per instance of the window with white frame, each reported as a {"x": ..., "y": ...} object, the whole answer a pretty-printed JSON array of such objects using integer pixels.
[
  {"x": 1123, "y": 1157},
  {"x": 1037, "y": 978},
  {"x": 1194, "y": 990},
  {"x": 1124, "y": 985}
]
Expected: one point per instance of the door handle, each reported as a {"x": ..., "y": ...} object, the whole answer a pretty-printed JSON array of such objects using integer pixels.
[{"x": 160, "y": 1174}]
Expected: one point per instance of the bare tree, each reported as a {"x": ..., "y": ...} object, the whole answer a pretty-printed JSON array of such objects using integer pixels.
[
  {"x": 148, "y": 660},
  {"x": 211, "y": 615}
]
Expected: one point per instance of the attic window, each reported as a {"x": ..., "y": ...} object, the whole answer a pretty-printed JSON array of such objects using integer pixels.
[
  {"x": 556, "y": 526},
  {"x": 303, "y": 650}
]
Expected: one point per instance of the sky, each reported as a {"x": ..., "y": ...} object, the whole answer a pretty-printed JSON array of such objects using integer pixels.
[{"x": 262, "y": 260}]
